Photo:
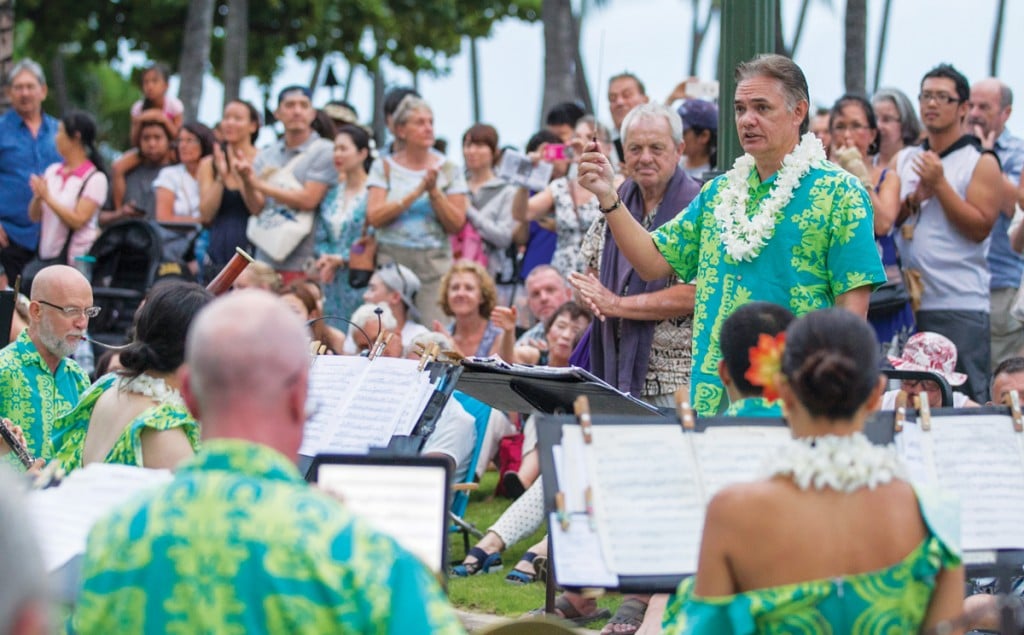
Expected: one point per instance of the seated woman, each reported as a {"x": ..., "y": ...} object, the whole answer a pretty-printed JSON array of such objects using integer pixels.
[
  {"x": 136, "y": 416},
  {"x": 468, "y": 295},
  {"x": 857, "y": 549},
  {"x": 301, "y": 299}
]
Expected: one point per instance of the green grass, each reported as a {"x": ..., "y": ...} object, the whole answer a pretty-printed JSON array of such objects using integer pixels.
[{"x": 489, "y": 593}]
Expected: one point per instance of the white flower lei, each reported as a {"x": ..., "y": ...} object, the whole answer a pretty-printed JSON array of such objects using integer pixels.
[
  {"x": 742, "y": 235},
  {"x": 153, "y": 387},
  {"x": 843, "y": 463}
]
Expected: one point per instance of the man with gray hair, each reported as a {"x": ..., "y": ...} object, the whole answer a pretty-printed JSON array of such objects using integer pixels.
[
  {"x": 24, "y": 596},
  {"x": 990, "y": 106},
  {"x": 26, "y": 147},
  {"x": 238, "y": 542},
  {"x": 782, "y": 226}
]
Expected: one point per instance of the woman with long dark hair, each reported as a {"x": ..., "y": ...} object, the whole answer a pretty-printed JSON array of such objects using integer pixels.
[{"x": 67, "y": 197}]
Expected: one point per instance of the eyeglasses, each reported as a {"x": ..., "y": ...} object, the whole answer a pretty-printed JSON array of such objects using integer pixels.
[
  {"x": 939, "y": 98},
  {"x": 73, "y": 311},
  {"x": 923, "y": 384},
  {"x": 888, "y": 119},
  {"x": 853, "y": 127}
]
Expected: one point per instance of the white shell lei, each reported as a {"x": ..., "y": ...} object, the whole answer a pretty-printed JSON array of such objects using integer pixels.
[
  {"x": 744, "y": 236},
  {"x": 152, "y": 387},
  {"x": 843, "y": 463}
]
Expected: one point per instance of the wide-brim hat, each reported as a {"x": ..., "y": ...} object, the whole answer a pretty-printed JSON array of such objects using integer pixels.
[{"x": 931, "y": 352}]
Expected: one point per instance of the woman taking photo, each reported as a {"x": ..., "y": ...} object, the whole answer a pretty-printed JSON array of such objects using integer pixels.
[
  {"x": 416, "y": 200},
  {"x": 342, "y": 215},
  {"x": 221, "y": 207},
  {"x": 857, "y": 550},
  {"x": 136, "y": 416},
  {"x": 177, "y": 190},
  {"x": 67, "y": 197}
]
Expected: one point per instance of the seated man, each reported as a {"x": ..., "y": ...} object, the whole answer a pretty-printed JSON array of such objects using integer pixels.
[
  {"x": 238, "y": 542},
  {"x": 934, "y": 352},
  {"x": 38, "y": 380}
]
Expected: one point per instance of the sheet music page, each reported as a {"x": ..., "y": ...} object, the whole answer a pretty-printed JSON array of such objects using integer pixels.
[
  {"x": 404, "y": 501},
  {"x": 571, "y": 468},
  {"x": 422, "y": 390},
  {"x": 979, "y": 458},
  {"x": 332, "y": 380},
  {"x": 63, "y": 515},
  {"x": 580, "y": 561},
  {"x": 377, "y": 406},
  {"x": 915, "y": 449},
  {"x": 735, "y": 454},
  {"x": 647, "y": 504}
]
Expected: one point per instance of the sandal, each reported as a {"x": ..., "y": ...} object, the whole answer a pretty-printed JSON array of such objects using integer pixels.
[
  {"x": 512, "y": 485},
  {"x": 565, "y": 610},
  {"x": 520, "y": 577},
  {"x": 484, "y": 563},
  {"x": 629, "y": 617}
]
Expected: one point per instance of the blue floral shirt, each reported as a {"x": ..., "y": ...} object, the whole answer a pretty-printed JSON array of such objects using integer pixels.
[
  {"x": 754, "y": 407},
  {"x": 238, "y": 544},
  {"x": 823, "y": 246}
]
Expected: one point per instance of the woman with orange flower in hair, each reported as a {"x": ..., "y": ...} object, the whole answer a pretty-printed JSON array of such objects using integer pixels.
[{"x": 857, "y": 549}]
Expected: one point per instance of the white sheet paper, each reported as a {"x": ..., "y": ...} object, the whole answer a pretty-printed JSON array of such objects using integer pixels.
[
  {"x": 406, "y": 502},
  {"x": 734, "y": 454},
  {"x": 647, "y": 503},
  {"x": 580, "y": 561},
  {"x": 64, "y": 515}
]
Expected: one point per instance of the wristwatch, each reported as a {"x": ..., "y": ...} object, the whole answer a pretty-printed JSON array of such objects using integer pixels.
[{"x": 608, "y": 210}]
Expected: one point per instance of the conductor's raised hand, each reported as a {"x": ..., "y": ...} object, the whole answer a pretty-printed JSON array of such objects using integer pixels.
[{"x": 596, "y": 174}]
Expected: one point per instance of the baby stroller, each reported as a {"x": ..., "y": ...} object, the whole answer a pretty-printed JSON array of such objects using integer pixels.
[{"x": 127, "y": 257}]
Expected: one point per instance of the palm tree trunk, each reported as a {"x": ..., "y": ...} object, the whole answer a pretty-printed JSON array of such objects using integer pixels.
[
  {"x": 236, "y": 48},
  {"x": 58, "y": 82},
  {"x": 997, "y": 39},
  {"x": 560, "y": 49},
  {"x": 6, "y": 49},
  {"x": 195, "y": 55},
  {"x": 474, "y": 78},
  {"x": 855, "y": 56},
  {"x": 582, "y": 87},
  {"x": 883, "y": 35}
]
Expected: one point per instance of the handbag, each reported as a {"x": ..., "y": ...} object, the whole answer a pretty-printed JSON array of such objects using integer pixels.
[
  {"x": 362, "y": 255},
  {"x": 37, "y": 264},
  {"x": 278, "y": 230}
]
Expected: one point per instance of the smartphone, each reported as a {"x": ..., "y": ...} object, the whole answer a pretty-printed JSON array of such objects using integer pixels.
[{"x": 557, "y": 152}]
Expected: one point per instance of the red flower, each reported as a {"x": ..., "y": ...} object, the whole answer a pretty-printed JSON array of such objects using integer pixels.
[{"x": 766, "y": 364}]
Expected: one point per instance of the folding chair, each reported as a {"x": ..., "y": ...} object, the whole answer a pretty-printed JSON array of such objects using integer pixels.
[
  {"x": 918, "y": 375},
  {"x": 481, "y": 414}
]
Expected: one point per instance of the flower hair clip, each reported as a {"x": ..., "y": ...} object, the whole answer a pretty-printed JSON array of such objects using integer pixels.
[{"x": 766, "y": 364}]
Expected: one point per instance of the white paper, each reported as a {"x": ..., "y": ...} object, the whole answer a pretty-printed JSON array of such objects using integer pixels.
[
  {"x": 734, "y": 454},
  {"x": 647, "y": 502},
  {"x": 573, "y": 476},
  {"x": 361, "y": 403},
  {"x": 64, "y": 515},
  {"x": 403, "y": 501},
  {"x": 517, "y": 169},
  {"x": 979, "y": 458},
  {"x": 580, "y": 561}
]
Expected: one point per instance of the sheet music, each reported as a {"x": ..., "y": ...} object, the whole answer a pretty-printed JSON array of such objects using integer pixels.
[
  {"x": 915, "y": 450},
  {"x": 363, "y": 403},
  {"x": 734, "y": 454},
  {"x": 979, "y": 458},
  {"x": 404, "y": 501},
  {"x": 649, "y": 518},
  {"x": 580, "y": 561},
  {"x": 573, "y": 475},
  {"x": 64, "y": 515}
]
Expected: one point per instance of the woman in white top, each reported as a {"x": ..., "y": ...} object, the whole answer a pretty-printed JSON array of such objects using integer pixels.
[
  {"x": 67, "y": 197},
  {"x": 177, "y": 189}
]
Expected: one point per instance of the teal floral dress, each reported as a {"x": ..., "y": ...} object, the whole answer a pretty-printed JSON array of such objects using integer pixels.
[
  {"x": 341, "y": 223},
  {"x": 239, "y": 544},
  {"x": 69, "y": 431},
  {"x": 892, "y": 600}
]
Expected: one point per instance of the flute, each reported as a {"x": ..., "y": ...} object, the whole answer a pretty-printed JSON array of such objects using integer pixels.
[{"x": 16, "y": 445}]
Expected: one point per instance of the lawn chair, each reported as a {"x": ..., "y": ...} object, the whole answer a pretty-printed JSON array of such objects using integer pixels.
[
  {"x": 128, "y": 255},
  {"x": 481, "y": 413}
]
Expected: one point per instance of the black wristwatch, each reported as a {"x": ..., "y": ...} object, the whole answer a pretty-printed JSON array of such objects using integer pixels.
[{"x": 608, "y": 210}]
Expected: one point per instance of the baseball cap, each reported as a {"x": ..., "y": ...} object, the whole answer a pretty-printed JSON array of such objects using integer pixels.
[
  {"x": 402, "y": 279},
  {"x": 699, "y": 113}
]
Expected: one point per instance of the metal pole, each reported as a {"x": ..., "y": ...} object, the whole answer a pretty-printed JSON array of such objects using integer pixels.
[{"x": 747, "y": 30}]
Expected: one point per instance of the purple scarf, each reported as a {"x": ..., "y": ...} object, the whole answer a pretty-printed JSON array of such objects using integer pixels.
[{"x": 623, "y": 362}]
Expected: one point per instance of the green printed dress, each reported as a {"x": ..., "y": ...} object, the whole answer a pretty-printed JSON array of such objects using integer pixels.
[
  {"x": 168, "y": 412},
  {"x": 892, "y": 600},
  {"x": 239, "y": 544},
  {"x": 823, "y": 245}
]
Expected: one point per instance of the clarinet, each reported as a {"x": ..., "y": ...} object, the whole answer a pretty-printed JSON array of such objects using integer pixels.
[{"x": 17, "y": 446}]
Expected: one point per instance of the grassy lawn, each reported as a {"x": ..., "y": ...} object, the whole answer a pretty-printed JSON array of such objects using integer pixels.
[{"x": 489, "y": 593}]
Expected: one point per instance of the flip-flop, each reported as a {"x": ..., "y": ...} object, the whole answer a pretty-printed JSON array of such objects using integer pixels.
[
  {"x": 629, "y": 614},
  {"x": 566, "y": 611}
]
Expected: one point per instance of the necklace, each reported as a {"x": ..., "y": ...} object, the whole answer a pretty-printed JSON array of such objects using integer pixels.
[
  {"x": 744, "y": 236},
  {"x": 842, "y": 463},
  {"x": 153, "y": 387}
]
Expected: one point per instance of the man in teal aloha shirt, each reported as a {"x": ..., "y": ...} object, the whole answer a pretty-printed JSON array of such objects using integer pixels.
[
  {"x": 783, "y": 226},
  {"x": 38, "y": 381},
  {"x": 238, "y": 543}
]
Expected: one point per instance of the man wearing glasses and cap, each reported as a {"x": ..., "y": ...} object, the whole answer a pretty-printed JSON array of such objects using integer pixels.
[
  {"x": 395, "y": 285},
  {"x": 38, "y": 381}
]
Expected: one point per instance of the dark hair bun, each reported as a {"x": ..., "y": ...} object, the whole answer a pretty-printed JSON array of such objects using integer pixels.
[{"x": 822, "y": 381}]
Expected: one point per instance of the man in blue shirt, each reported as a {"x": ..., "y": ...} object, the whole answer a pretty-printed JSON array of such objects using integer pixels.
[
  {"x": 26, "y": 147},
  {"x": 990, "y": 105}
]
